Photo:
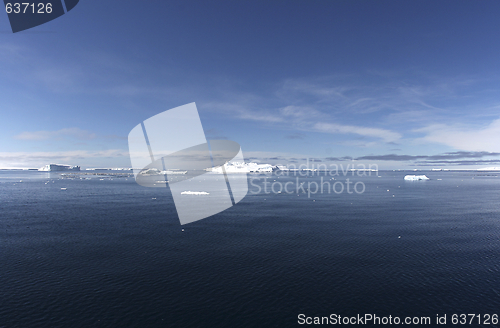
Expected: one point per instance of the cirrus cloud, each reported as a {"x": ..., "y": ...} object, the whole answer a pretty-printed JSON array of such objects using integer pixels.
[
  {"x": 76, "y": 133},
  {"x": 386, "y": 135},
  {"x": 463, "y": 137}
]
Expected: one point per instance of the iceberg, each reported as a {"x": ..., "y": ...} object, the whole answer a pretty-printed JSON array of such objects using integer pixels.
[
  {"x": 411, "y": 177},
  {"x": 58, "y": 167},
  {"x": 240, "y": 167},
  {"x": 195, "y": 193}
]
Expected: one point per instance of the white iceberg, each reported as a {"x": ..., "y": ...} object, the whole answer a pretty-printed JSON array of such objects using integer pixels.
[
  {"x": 195, "y": 193},
  {"x": 240, "y": 167},
  {"x": 412, "y": 177},
  {"x": 58, "y": 167}
]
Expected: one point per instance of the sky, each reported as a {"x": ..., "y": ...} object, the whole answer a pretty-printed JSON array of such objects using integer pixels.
[{"x": 399, "y": 84}]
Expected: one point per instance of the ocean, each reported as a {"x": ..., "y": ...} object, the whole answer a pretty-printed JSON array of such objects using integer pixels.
[{"x": 106, "y": 252}]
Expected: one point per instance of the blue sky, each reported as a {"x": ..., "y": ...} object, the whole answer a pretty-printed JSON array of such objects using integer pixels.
[{"x": 403, "y": 84}]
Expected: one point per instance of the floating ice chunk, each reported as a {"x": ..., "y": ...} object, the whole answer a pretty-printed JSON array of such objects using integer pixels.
[
  {"x": 416, "y": 177},
  {"x": 195, "y": 193}
]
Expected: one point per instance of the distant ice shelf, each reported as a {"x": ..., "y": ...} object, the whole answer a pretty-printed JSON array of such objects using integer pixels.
[
  {"x": 109, "y": 169},
  {"x": 489, "y": 169},
  {"x": 411, "y": 177},
  {"x": 155, "y": 171}
]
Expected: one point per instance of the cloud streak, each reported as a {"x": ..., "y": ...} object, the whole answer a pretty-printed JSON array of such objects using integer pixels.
[
  {"x": 484, "y": 138},
  {"x": 305, "y": 118},
  {"x": 76, "y": 133},
  {"x": 460, "y": 158},
  {"x": 386, "y": 135},
  {"x": 387, "y": 110},
  {"x": 445, "y": 156}
]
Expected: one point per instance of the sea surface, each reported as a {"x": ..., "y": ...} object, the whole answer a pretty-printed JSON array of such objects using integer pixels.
[{"x": 106, "y": 252}]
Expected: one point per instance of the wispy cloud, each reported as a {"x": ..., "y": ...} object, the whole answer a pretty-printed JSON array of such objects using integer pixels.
[
  {"x": 243, "y": 109},
  {"x": 296, "y": 136},
  {"x": 274, "y": 157},
  {"x": 329, "y": 104},
  {"x": 451, "y": 158},
  {"x": 446, "y": 159},
  {"x": 304, "y": 118},
  {"x": 386, "y": 135},
  {"x": 465, "y": 137},
  {"x": 352, "y": 94},
  {"x": 462, "y": 162},
  {"x": 76, "y": 133}
]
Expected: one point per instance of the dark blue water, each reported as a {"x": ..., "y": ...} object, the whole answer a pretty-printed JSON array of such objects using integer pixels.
[{"x": 105, "y": 253}]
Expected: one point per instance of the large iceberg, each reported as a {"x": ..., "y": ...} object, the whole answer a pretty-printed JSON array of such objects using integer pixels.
[
  {"x": 412, "y": 177},
  {"x": 58, "y": 167}
]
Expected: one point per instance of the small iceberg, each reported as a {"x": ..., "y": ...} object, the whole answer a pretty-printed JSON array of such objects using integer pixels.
[
  {"x": 195, "y": 193},
  {"x": 411, "y": 177}
]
